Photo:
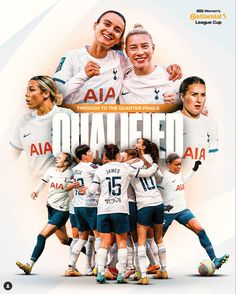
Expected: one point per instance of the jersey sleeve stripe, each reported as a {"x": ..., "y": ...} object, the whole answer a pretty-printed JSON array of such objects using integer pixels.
[
  {"x": 59, "y": 80},
  {"x": 213, "y": 150},
  {"x": 137, "y": 173},
  {"x": 160, "y": 187}
]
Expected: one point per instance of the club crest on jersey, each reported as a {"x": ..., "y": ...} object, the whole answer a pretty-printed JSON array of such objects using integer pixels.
[
  {"x": 56, "y": 185},
  {"x": 40, "y": 149},
  {"x": 195, "y": 153},
  {"x": 102, "y": 96},
  {"x": 114, "y": 73},
  {"x": 156, "y": 92}
]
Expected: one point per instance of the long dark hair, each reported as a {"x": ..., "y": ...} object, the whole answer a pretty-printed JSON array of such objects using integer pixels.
[{"x": 152, "y": 149}]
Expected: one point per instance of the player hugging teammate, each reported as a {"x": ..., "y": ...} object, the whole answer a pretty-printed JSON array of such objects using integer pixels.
[
  {"x": 121, "y": 209},
  {"x": 105, "y": 217}
]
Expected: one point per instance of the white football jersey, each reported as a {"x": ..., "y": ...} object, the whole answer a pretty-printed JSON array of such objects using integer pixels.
[
  {"x": 58, "y": 197},
  {"x": 131, "y": 194},
  {"x": 172, "y": 190},
  {"x": 146, "y": 89},
  {"x": 83, "y": 174},
  {"x": 72, "y": 209},
  {"x": 145, "y": 188},
  {"x": 76, "y": 87},
  {"x": 33, "y": 134},
  {"x": 113, "y": 179},
  {"x": 199, "y": 138}
]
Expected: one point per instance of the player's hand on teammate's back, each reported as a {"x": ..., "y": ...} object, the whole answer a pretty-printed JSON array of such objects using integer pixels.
[
  {"x": 34, "y": 195},
  {"x": 92, "y": 69},
  {"x": 175, "y": 72},
  {"x": 170, "y": 97},
  {"x": 196, "y": 165}
]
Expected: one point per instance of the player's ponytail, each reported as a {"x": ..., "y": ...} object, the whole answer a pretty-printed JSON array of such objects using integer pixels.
[
  {"x": 46, "y": 83},
  {"x": 111, "y": 151}
]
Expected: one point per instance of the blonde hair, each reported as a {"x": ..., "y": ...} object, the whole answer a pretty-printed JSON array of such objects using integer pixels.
[
  {"x": 138, "y": 29},
  {"x": 46, "y": 83}
]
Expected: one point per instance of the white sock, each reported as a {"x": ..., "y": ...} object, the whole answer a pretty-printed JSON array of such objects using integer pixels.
[
  {"x": 31, "y": 263},
  {"x": 130, "y": 253},
  {"x": 150, "y": 255},
  {"x": 142, "y": 259},
  {"x": 75, "y": 240},
  {"x": 89, "y": 250},
  {"x": 97, "y": 245},
  {"x": 113, "y": 255},
  {"x": 154, "y": 249},
  {"x": 93, "y": 264},
  {"x": 122, "y": 260},
  {"x": 136, "y": 257},
  {"x": 162, "y": 256},
  {"x": 75, "y": 252},
  {"x": 101, "y": 260}
]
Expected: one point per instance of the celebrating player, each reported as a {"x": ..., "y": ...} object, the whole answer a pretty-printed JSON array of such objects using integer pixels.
[
  {"x": 113, "y": 179},
  {"x": 85, "y": 207},
  {"x": 59, "y": 181},
  {"x": 172, "y": 189},
  {"x": 150, "y": 212},
  {"x": 34, "y": 132},
  {"x": 94, "y": 74},
  {"x": 146, "y": 83},
  {"x": 200, "y": 132}
]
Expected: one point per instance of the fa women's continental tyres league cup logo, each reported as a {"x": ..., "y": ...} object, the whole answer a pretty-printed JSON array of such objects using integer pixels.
[{"x": 208, "y": 17}]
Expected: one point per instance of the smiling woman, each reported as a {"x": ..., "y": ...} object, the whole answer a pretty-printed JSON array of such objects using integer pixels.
[
  {"x": 94, "y": 74},
  {"x": 148, "y": 83},
  {"x": 33, "y": 134}
]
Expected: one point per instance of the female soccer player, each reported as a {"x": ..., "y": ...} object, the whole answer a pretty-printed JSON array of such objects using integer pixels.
[
  {"x": 85, "y": 208},
  {"x": 34, "y": 131},
  {"x": 59, "y": 181},
  {"x": 200, "y": 131},
  {"x": 147, "y": 83},
  {"x": 113, "y": 179},
  {"x": 94, "y": 74},
  {"x": 150, "y": 211},
  {"x": 172, "y": 189}
]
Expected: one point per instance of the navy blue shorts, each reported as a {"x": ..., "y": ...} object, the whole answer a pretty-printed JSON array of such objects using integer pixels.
[
  {"x": 182, "y": 217},
  {"x": 86, "y": 218},
  {"x": 57, "y": 217},
  {"x": 113, "y": 222},
  {"x": 151, "y": 215},
  {"x": 73, "y": 220},
  {"x": 132, "y": 216}
]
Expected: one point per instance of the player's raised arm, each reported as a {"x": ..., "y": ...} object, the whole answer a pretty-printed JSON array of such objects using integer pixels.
[
  {"x": 191, "y": 173},
  {"x": 143, "y": 173}
]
